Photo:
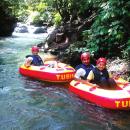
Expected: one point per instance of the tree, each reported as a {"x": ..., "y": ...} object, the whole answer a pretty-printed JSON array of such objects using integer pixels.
[{"x": 110, "y": 32}]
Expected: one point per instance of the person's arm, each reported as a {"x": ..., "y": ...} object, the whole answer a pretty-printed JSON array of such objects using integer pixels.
[
  {"x": 87, "y": 81},
  {"x": 90, "y": 77},
  {"x": 28, "y": 61},
  {"x": 80, "y": 73},
  {"x": 110, "y": 75}
]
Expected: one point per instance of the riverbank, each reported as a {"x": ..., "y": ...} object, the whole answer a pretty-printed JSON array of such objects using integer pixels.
[{"x": 121, "y": 67}]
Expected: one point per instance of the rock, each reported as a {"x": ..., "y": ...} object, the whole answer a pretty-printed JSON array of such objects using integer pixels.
[
  {"x": 21, "y": 29},
  {"x": 7, "y": 21},
  {"x": 7, "y": 25},
  {"x": 40, "y": 30},
  {"x": 120, "y": 67}
]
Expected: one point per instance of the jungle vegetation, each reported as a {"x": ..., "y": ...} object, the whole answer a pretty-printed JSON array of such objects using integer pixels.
[{"x": 108, "y": 33}]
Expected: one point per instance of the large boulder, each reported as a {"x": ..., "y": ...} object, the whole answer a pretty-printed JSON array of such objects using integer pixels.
[
  {"x": 7, "y": 22},
  {"x": 7, "y": 25},
  {"x": 40, "y": 30},
  {"x": 119, "y": 67},
  {"x": 21, "y": 28}
]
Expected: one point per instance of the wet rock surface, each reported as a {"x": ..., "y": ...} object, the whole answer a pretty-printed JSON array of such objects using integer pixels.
[
  {"x": 119, "y": 67},
  {"x": 7, "y": 22}
]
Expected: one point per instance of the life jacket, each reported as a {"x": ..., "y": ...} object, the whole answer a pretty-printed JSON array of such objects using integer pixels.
[
  {"x": 87, "y": 69},
  {"x": 37, "y": 61},
  {"x": 100, "y": 76}
]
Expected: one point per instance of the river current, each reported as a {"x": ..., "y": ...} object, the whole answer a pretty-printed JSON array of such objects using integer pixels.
[{"x": 28, "y": 104}]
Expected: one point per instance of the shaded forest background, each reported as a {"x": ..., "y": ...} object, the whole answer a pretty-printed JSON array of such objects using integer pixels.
[{"x": 99, "y": 26}]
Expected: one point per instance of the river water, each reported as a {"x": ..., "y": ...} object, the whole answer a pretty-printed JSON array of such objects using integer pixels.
[{"x": 28, "y": 104}]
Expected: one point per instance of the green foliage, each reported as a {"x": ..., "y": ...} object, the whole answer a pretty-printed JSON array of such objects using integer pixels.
[
  {"x": 77, "y": 47},
  {"x": 34, "y": 17},
  {"x": 41, "y": 7},
  {"x": 35, "y": 13},
  {"x": 57, "y": 19},
  {"x": 126, "y": 52},
  {"x": 3, "y": 10},
  {"x": 107, "y": 34}
]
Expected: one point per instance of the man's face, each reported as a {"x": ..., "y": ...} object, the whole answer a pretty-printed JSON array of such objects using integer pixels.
[
  {"x": 35, "y": 52},
  {"x": 86, "y": 60}
]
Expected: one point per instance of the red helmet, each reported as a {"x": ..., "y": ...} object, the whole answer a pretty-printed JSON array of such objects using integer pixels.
[
  {"x": 35, "y": 49},
  {"x": 85, "y": 55},
  {"x": 102, "y": 60}
]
